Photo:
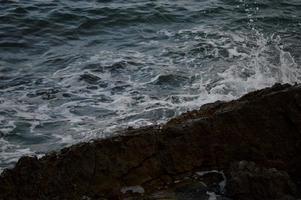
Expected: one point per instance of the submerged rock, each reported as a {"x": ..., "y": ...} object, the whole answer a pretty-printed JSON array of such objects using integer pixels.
[{"x": 263, "y": 128}]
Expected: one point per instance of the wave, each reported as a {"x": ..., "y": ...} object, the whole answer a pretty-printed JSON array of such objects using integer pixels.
[
  {"x": 74, "y": 71},
  {"x": 115, "y": 89}
]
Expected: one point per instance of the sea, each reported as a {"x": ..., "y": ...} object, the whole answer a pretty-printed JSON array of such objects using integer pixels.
[{"x": 76, "y": 70}]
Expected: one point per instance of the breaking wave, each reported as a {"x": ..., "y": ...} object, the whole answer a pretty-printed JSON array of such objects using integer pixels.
[{"x": 140, "y": 75}]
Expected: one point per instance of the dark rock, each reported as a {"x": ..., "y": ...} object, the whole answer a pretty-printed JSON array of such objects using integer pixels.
[
  {"x": 248, "y": 181},
  {"x": 184, "y": 188},
  {"x": 263, "y": 127}
]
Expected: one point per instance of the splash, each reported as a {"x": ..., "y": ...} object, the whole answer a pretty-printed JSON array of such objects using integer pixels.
[{"x": 142, "y": 75}]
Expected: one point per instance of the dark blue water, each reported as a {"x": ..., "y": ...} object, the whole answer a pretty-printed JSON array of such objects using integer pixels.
[{"x": 75, "y": 70}]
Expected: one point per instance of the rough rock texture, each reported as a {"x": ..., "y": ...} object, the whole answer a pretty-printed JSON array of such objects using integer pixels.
[
  {"x": 248, "y": 181},
  {"x": 263, "y": 127}
]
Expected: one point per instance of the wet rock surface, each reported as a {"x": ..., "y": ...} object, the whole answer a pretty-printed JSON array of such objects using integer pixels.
[{"x": 253, "y": 143}]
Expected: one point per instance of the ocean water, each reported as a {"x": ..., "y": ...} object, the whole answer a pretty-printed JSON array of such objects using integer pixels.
[{"x": 74, "y": 70}]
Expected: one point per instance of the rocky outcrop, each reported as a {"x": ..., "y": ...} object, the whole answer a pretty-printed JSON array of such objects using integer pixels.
[
  {"x": 262, "y": 127},
  {"x": 248, "y": 181}
]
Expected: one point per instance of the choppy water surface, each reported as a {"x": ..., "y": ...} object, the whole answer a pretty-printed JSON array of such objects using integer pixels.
[{"x": 75, "y": 70}]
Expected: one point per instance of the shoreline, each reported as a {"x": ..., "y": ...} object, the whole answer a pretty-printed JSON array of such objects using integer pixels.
[{"x": 253, "y": 143}]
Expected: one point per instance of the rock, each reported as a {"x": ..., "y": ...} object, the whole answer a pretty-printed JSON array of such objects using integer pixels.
[
  {"x": 186, "y": 188},
  {"x": 248, "y": 181},
  {"x": 262, "y": 127}
]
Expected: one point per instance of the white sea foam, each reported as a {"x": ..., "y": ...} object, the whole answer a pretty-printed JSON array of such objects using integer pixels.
[
  {"x": 222, "y": 184},
  {"x": 199, "y": 65},
  {"x": 133, "y": 189},
  {"x": 10, "y": 153},
  {"x": 212, "y": 196}
]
